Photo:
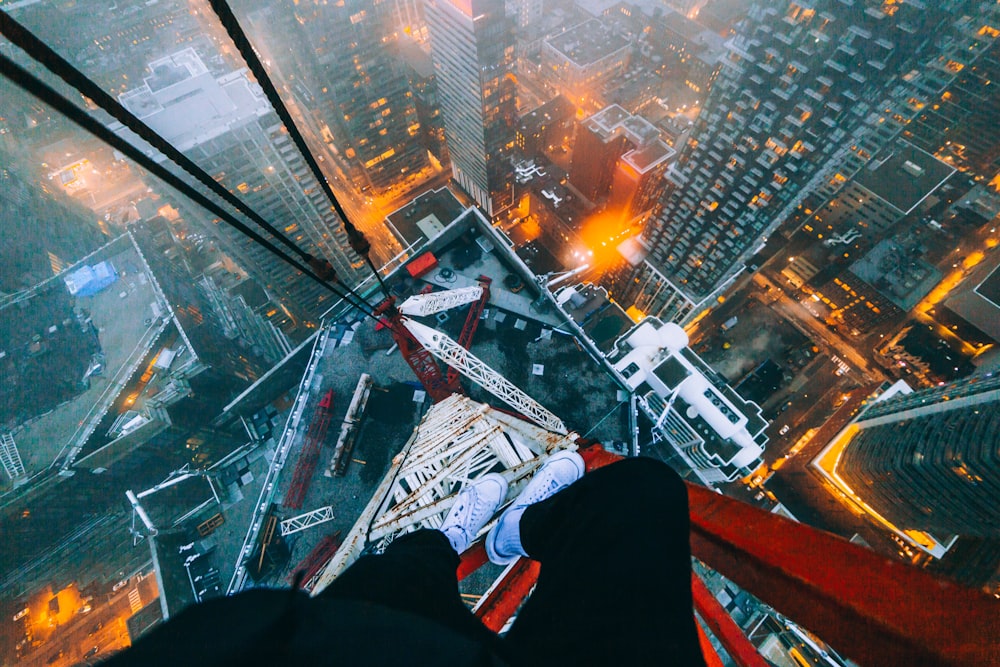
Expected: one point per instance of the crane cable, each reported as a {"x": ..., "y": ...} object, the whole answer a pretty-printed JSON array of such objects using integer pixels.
[
  {"x": 42, "y": 91},
  {"x": 358, "y": 242},
  {"x": 319, "y": 270}
]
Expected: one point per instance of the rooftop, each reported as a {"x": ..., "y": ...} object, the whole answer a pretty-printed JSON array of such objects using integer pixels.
[
  {"x": 423, "y": 218},
  {"x": 896, "y": 271},
  {"x": 601, "y": 319},
  {"x": 715, "y": 430},
  {"x": 556, "y": 109},
  {"x": 211, "y": 106},
  {"x": 903, "y": 175},
  {"x": 614, "y": 120},
  {"x": 587, "y": 43},
  {"x": 682, "y": 25},
  {"x": 989, "y": 289},
  {"x": 645, "y": 158}
]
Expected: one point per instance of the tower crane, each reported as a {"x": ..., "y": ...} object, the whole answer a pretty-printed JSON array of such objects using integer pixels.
[{"x": 422, "y": 346}]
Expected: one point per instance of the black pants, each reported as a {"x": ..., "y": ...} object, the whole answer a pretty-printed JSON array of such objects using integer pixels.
[{"x": 615, "y": 582}]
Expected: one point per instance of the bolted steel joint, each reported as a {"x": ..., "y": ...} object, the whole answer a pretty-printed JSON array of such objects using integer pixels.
[
  {"x": 358, "y": 242},
  {"x": 322, "y": 268}
]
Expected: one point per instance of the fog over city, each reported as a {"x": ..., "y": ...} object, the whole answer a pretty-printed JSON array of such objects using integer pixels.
[{"x": 257, "y": 253}]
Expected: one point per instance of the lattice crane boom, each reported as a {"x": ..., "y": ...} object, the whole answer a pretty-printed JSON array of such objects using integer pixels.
[
  {"x": 456, "y": 356},
  {"x": 435, "y": 302}
]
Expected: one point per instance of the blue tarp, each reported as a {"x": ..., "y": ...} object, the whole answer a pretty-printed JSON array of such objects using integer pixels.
[{"x": 89, "y": 280}]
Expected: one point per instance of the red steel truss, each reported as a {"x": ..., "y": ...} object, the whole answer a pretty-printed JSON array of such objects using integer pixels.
[
  {"x": 423, "y": 363},
  {"x": 315, "y": 560},
  {"x": 871, "y": 609},
  {"x": 469, "y": 330},
  {"x": 306, "y": 465}
]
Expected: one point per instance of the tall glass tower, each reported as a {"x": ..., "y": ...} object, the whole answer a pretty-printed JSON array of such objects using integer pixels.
[{"x": 472, "y": 45}]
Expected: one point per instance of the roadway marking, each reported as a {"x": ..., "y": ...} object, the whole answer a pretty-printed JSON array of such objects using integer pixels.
[{"x": 134, "y": 600}]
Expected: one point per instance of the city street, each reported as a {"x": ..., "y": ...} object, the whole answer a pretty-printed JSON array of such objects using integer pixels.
[
  {"x": 796, "y": 314},
  {"x": 103, "y": 627}
]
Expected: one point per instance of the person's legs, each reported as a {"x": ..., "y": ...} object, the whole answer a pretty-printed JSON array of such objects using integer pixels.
[
  {"x": 416, "y": 573},
  {"x": 615, "y": 582}
]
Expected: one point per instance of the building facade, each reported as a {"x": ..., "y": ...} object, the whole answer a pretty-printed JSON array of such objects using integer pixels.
[
  {"x": 472, "y": 45},
  {"x": 229, "y": 130},
  {"x": 930, "y": 460},
  {"x": 351, "y": 79},
  {"x": 579, "y": 62},
  {"x": 806, "y": 87}
]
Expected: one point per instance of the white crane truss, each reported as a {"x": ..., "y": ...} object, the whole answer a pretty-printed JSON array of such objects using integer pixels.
[
  {"x": 435, "y": 302},
  {"x": 469, "y": 365},
  {"x": 308, "y": 520},
  {"x": 457, "y": 441}
]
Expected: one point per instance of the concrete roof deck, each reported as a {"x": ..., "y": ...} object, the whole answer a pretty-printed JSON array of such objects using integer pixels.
[
  {"x": 644, "y": 159},
  {"x": 903, "y": 175},
  {"x": 416, "y": 222},
  {"x": 587, "y": 43}
]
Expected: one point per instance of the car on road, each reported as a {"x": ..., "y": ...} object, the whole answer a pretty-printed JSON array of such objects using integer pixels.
[
  {"x": 784, "y": 429},
  {"x": 91, "y": 652}
]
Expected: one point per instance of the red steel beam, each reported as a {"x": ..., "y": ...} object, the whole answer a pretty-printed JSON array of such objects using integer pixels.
[
  {"x": 309, "y": 456},
  {"x": 421, "y": 362},
  {"x": 708, "y": 651},
  {"x": 723, "y": 626},
  {"x": 469, "y": 329},
  {"x": 871, "y": 609},
  {"x": 505, "y": 599},
  {"x": 472, "y": 559}
]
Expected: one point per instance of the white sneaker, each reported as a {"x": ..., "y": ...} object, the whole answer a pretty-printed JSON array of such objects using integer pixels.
[
  {"x": 474, "y": 506},
  {"x": 503, "y": 543}
]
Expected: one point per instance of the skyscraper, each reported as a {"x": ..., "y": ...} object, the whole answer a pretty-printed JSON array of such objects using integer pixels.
[
  {"x": 229, "y": 129},
  {"x": 805, "y": 84},
  {"x": 930, "y": 460},
  {"x": 961, "y": 123},
  {"x": 472, "y": 44},
  {"x": 356, "y": 86}
]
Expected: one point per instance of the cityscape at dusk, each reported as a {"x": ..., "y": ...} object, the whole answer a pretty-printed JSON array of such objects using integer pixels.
[{"x": 279, "y": 275}]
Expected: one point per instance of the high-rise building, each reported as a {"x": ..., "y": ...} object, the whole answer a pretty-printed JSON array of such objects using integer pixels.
[
  {"x": 960, "y": 126},
  {"x": 472, "y": 44},
  {"x": 805, "y": 84},
  {"x": 929, "y": 460},
  {"x": 426, "y": 99},
  {"x": 228, "y": 128},
  {"x": 619, "y": 159},
  {"x": 357, "y": 87},
  {"x": 581, "y": 60}
]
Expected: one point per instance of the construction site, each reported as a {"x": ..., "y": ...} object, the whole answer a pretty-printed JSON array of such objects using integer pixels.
[{"x": 285, "y": 502}]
